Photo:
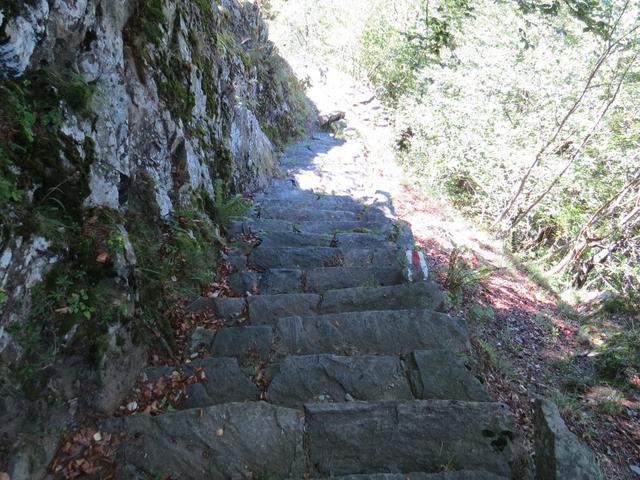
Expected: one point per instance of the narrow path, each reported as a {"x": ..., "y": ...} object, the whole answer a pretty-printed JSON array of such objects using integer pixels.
[{"x": 338, "y": 362}]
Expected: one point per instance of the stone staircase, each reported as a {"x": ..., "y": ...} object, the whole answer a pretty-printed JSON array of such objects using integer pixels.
[{"x": 340, "y": 364}]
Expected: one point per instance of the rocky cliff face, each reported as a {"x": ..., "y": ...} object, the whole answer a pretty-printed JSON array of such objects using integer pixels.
[{"x": 124, "y": 126}]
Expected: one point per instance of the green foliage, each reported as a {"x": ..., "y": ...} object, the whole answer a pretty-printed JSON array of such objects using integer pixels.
[
  {"x": 394, "y": 50},
  {"x": 371, "y": 282},
  {"x": 115, "y": 242},
  {"x": 75, "y": 92},
  {"x": 79, "y": 304},
  {"x": 31, "y": 140},
  {"x": 175, "y": 258},
  {"x": 625, "y": 304},
  {"x": 204, "y": 6},
  {"x": 8, "y": 192},
  {"x": 461, "y": 275},
  {"x": 279, "y": 87},
  {"x": 481, "y": 90},
  {"x": 492, "y": 357},
  {"x": 481, "y": 314},
  {"x": 591, "y": 12},
  {"x": 619, "y": 358},
  {"x": 173, "y": 78},
  {"x": 150, "y": 17},
  {"x": 227, "y": 208},
  {"x": 463, "y": 190}
]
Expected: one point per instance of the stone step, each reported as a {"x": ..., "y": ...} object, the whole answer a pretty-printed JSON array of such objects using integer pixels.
[
  {"x": 333, "y": 378},
  {"x": 325, "y": 202},
  {"x": 297, "y": 194},
  {"x": 267, "y": 309},
  {"x": 259, "y": 227},
  {"x": 395, "y": 332},
  {"x": 263, "y": 258},
  {"x": 443, "y": 375},
  {"x": 306, "y": 214},
  {"x": 295, "y": 239},
  {"x": 223, "y": 382},
  {"x": 243, "y": 343},
  {"x": 460, "y": 475},
  {"x": 361, "y": 240},
  {"x": 316, "y": 280},
  {"x": 334, "y": 213},
  {"x": 430, "y": 375},
  {"x": 339, "y": 240},
  {"x": 234, "y": 440},
  {"x": 420, "y": 435},
  {"x": 418, "y": 295}
]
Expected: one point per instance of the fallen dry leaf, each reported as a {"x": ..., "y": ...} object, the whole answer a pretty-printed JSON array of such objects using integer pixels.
[{"x": 102, "y": 258}]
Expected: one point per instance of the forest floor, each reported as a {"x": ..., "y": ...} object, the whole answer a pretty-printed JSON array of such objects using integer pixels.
[
  {"x": 528, "y": 342},
  {"x": 525, "y": 338}
]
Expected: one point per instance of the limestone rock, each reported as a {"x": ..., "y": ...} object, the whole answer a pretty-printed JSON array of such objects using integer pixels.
[
  {"x": 559, "y": 453},
  {"x": 413, "y": 436},
  {"x": 440, "y": 374},
  {"x": 236, "y": 440},
  {"x": 336, "y": 378}
]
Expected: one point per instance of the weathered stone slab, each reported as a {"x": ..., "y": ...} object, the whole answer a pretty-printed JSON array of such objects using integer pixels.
[
  {"x": 298, "y": 195},
  {"x": 200, "y": 338},
  {"x": 559, "y": 453},
  {"x": 258, "y": 227},
  {"x": 442, "y": 375},
  {"x": 419, "y": 295},
  {"x": 396, "y": 332},
  {"x": 295, "y": 239},
  {"x": 315, "y": 257},
  {"x": 378, "y": 228},
  {"x": 423, "y": 436},
  {"x": 404, "y": 238},
  {"x": 295, "y": 257},
  {"x": 282, "y": 280},
  {"x": 241, "y": 282},
  {"x": 461, "y": 475},
  {"x": 320, "y": 202},
  {"x": 227, "y": 308},
  {"x": 266, "y": 309},
  {"x": 263, "y": 226},
  {"x": 305, "y": 214},
  {"x": 242, "y": 342},
  {"x": 237, "y": 259},
  {"x": 223, "y": 382},
  {"x": 387, "y": 257},
  {"x": 235, "y": 440},
  {"x": 316, "y": 280},
  {"x": 322, "y": 279},
  {"x": 361, "y": 240},
  {"x": 338, "y": 379}
]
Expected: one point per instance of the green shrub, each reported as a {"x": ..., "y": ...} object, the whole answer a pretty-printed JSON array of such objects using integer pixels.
[
  {"x": 227, "y": 208},
  {"x": 461, "y": 275},
  {"x": 619, "y": 357}
]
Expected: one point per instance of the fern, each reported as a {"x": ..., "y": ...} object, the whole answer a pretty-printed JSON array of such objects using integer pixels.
[{"x": 227, "y": 208}]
